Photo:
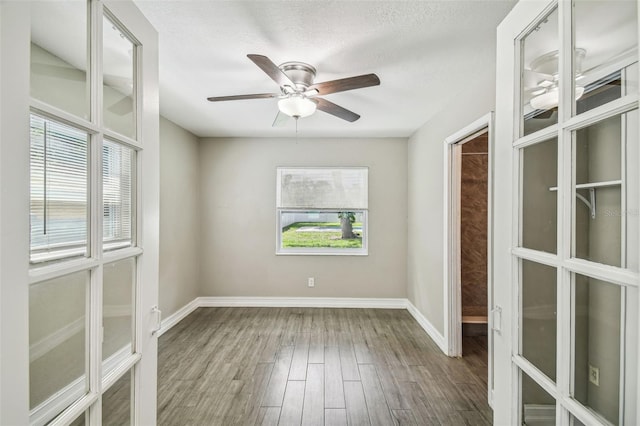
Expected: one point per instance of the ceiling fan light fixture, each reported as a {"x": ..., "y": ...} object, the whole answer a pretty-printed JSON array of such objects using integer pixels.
[
  {"x": 549, "y": 99},
  {"x": 297, "y": 106}
]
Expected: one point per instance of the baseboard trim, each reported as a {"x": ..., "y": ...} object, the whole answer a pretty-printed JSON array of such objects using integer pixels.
[
  {"x": 427, "y": 327},
  {"x": 539, "y": 413},
  {"x": 173, "y": 319},
  {"x": 53, "y": 340},
  {"x": 304, "y": 302}
]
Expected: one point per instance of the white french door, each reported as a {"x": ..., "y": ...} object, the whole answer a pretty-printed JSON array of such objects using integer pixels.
[
  {"x": 567, "y": 261},
  {"x": 78, "y": 213}
]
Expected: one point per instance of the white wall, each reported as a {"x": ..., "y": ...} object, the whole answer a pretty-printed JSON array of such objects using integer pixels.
[
  {"x": 179, "y": 217},
  {"x": 425, "y": 267},
  {"x": 238, "y": 219}
]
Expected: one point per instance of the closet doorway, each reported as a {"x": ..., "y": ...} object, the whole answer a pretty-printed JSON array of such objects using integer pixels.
[
  {"x": 474, "y": 177},
  {"x": 468, "y": 243}
]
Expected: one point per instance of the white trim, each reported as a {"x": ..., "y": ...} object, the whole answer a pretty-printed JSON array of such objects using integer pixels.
[
  {"x": 126, "y": 361},
  {"x": 53, "y": 340},
  {"x": 57, "y": 402},
  {"x": 116, "y": 255},
  {"x": 114, "y": 367},
  {"x": 144, "y": 384},
  {"x": 59, "y": 115},
  {"x": 480, "y": 124},
  {"x": 75, "y": 410},
  {"x": 116, "y": 359},
  {"x": 303, "y": 302},
  {"x": 173, "y": 319},
  {"x": 55, "y": 270},
  {"x": 451, "y": 256},
  {"x": 426, "y": 325}
]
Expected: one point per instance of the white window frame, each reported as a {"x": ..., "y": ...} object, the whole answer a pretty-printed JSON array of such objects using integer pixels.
[{"x": 322, "y": 251}]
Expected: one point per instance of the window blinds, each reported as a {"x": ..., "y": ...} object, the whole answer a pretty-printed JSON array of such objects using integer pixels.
[
  {"x": 59, "y": 179},
  {"x": 118, "y": 162},
  {"x": 322, "y": 188}
]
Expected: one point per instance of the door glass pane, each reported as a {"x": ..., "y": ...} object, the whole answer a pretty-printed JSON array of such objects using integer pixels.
[
  {"x": 606, "y": 43},
  {"x": 57, "y": 338},
  {"x": 540, "y": 76},
  {"x": 118, "y": 80},
  {"x": 573, "y": 421},
  {"x": 540, "y": 196},
  {"x": 116, "y": 402},
  {"x": 59, "y": 55},
  {"x": 118, "y": 284},
  {"x": 58, "y": 189},
  {"x": 538, "y": 407},
  {"x": 82, "y": 420},
  {"x": 539, "y": 316},
  {"x": 118, "y": 168},
  {"x": 600, "y": 218},
  {"x": 596, "y": 320}
]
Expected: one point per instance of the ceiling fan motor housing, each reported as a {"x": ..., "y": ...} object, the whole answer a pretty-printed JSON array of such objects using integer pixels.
[{"x": 300, "y": 73}]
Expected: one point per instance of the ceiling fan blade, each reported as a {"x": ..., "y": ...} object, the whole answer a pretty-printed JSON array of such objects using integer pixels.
[
  {"x": 241, "y": 97},
  {"x": 337, "y": 110},
  {"x": 532, "y": 79},
  {"x": 544, "y": 114},
  {"x": 272, "y": 70},
  {"x": 280, "y": 119},
  {"x": 345, "y": 84}
]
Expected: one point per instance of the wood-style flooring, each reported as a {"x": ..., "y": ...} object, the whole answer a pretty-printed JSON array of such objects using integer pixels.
[{"x": 312, "y": 366}]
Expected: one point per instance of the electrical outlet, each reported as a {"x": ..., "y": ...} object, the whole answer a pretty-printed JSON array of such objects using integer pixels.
[
  {"x": 594, "y": 375},
  {"x": 311, "y": 282}
]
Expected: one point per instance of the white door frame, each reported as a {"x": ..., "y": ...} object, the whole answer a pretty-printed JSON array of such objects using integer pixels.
[
  {"x": 452, "y": 294},
  {"x": 14, "y": 222},
  {"x": 147, "y": 316}
]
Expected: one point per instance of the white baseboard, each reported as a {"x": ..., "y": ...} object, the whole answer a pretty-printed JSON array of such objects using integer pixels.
[
  {"x": 53, "y": 340},
  {"x": 177, "y": 316},
  {"x": 539, "y": 414},
  {"x": 305, "y": 302},
  {"x": 427, "y": 326}
]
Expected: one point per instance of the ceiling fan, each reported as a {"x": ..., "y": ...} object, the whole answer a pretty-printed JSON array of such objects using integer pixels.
[
  {"x": 299, "y": 95},
  {"x": 541, "y": 81}
]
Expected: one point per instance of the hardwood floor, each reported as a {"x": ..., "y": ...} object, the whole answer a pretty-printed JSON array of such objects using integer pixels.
[{"x": 310, "y": 366}]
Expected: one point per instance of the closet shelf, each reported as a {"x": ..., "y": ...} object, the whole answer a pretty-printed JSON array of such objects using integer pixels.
[{"x": 591, "y": 202}]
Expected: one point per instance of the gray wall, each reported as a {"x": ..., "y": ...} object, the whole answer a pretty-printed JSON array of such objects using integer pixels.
[
  {"x": 425, "y": 260},
  {"x": 238, "y": 219},
  {"x": 179, "y": 217}
]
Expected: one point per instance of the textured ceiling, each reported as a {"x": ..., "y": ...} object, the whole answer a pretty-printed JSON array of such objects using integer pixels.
[{"x": 425, "y": 53}]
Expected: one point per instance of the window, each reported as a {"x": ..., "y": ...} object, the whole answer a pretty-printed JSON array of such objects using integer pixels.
[
  {"x": 322, "y": 210},
  {"x": 118, "y": 166},
  {"x": 59, "y": 179}
]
